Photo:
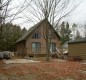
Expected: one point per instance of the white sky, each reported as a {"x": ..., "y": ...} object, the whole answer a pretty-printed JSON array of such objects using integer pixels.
[{"x": 79, "y": 16}]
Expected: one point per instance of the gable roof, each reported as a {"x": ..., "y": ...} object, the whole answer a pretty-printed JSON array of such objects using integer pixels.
[
  {"x": 33, "y": 28},
  {"x": 83, "y": 40}
]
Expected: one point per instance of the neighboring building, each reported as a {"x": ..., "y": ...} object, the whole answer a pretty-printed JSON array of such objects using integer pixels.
[
  {"x": 33, "y": 42},
  {"x": 77, "y": 48}
]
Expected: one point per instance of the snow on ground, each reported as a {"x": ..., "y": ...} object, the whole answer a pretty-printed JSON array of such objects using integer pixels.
[{"x": 20, "y": 61}]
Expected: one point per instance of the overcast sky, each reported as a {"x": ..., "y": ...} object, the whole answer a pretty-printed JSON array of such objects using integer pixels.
[{"x": 79, "y": 16}]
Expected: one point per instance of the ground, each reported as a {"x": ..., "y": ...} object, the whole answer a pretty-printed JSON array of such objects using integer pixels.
[{"x": 53, "y": 70}]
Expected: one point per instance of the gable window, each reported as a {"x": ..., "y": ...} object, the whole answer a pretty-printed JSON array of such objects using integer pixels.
[
  {"x": 36, "y": 46},
  {"x": 36, "y": 35},
  {"x": 53, "y": 47}
]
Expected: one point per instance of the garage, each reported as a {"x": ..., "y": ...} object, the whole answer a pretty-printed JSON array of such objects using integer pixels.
[{"x": 77, "y": 49}]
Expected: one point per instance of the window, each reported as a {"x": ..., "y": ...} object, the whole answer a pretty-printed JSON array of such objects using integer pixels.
[
  {"x": 53, "y": 47},
  {"x": 36, "y": 46},
  {"x": 36, "y": 35}
]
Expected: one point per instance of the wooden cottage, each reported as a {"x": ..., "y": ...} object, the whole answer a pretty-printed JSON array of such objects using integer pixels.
[
  {"x": 33, "y": 41},
  {"x": 77, "y": 49}
]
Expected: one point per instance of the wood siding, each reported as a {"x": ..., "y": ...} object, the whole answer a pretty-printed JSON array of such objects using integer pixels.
[
  {"x": 77, "y": 49},
  {"x": 41, "y": 40},
  {"x": 21, "y": 48}
]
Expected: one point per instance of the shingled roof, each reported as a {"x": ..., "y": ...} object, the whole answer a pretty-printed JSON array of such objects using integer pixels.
[{"x": 32, "y": 29}]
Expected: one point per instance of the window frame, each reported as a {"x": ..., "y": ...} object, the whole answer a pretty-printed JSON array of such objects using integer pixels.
[
  {"x": 36, "y": 35},
  {"x": 37, "y": 47},
  {"x": 53, "y": 49}
]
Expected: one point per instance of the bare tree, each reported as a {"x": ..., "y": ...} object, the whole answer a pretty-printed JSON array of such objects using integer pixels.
[
  {"x": 85, "y": 31},
  {"x": 78, "y": 35},
  {"x": 52, "y": 10},
  {"x": 9, "y": 12},
  {"x": 74, "y": 29}
]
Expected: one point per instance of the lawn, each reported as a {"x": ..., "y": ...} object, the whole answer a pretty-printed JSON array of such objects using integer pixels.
[{"x": 54, "y": 70}]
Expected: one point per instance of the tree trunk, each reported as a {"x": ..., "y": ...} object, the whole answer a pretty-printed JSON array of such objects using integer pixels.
[{"x": 47, "y": 51}]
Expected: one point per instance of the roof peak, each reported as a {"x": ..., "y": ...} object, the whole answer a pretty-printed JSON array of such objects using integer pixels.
[{"x": 32, "y": 29}]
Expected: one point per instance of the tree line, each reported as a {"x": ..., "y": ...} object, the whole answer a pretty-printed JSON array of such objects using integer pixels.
[
  {"x": 71, "y": 32},
  {"x": 9, "y": 34}
]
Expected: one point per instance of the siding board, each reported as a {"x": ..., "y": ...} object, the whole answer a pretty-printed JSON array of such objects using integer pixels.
[{"x": 77, "y": 49}]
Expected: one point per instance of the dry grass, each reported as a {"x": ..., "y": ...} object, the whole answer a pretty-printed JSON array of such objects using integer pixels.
[{"x": 53, "y": 70}]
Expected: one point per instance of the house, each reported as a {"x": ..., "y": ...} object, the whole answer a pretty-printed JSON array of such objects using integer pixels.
[
  {"x": 77, "y": 48},
  {"x": 33, "y": 42}
]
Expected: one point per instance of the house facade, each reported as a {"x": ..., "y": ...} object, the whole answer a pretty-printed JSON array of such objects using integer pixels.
[
  {"x": 77, "y": 49},
  {"x": 33, "y": 42}
]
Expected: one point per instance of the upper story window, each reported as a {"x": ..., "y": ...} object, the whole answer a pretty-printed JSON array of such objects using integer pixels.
[{"x": 36, "y": 35}]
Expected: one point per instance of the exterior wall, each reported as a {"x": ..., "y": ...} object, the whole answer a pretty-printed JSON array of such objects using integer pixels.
[
  {"x": 42, "y": 41},
  {"x": 21, "y": 48},
  {"x": 77, "y": 49}
]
